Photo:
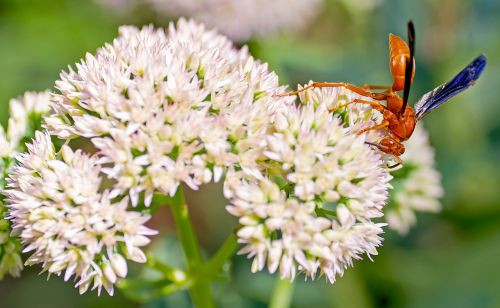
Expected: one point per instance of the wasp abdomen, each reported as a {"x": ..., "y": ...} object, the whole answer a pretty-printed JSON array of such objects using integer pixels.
[{"x": 399, "y": 54}]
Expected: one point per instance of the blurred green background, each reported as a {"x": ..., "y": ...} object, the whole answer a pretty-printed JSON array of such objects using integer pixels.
[{"x": 451, "y": 259}]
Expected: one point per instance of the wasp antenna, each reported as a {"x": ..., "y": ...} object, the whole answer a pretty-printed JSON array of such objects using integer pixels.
[
  {"x": 373, "y": 144},
  {"x": 409, "y": 66}
]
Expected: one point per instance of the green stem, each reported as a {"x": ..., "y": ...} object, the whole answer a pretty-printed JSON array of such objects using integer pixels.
[
  {"x": 200, "y": 290},
  {"x": 224, "y": 253},
  {"x": 282, "y": 294},
  {"x": 351, "y": 291}
]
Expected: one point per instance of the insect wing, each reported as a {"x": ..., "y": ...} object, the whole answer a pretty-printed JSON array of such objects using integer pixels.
[{"x": 435, "y": 98}]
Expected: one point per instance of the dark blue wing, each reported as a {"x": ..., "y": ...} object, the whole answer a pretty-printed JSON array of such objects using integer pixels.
[{"x": 444, "y": 92}]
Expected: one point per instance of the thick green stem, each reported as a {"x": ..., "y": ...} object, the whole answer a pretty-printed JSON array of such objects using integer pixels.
[
  {"x": 224, "y": 253},
  {"x": 200, "y": 290},
  {"x": 351, "y": 291},
  {"x": 282, "y": 294}
]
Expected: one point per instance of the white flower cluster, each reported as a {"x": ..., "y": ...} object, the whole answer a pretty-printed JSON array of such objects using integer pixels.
[
  {"x": 417, "y": 185},
  {"x": 25, "y": 117},
  {"x": 66, "y": 222},
  {"x": 240, "y": 20},
  {"x": 165, "y": 107},
  {"x": 311, "y": 207}
]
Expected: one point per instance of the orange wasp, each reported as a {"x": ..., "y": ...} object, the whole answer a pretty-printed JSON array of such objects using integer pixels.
[{"x": 399, "y": 118}]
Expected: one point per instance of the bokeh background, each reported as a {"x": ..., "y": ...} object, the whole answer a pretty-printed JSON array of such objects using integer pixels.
[{"x": 451, "y": 259}]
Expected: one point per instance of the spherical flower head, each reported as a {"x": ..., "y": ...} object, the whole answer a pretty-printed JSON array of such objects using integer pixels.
[
  {"x": 417, "y": 185},
  {"x": 244, "y": 19},
  {"x": 67, "y": 224},
  {"x": 311, "y": 207},
  {"x": 165, "y": 107},
  {"x": 240, "y": 20},
  {"x": 25, "y": 117}
]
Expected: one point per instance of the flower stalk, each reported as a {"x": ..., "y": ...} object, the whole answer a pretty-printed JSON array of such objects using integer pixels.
[
  {"x": 225, "y": 252},
  {"x": 282, "y": 295},
  {"x": 200, "y": 290}
]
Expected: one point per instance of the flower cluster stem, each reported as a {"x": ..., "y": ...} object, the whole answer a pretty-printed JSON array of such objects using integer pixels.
[
  {"x": 224, "y": 253},
  {"x": 200, "y": 290},
  {"x": 282, "y": 294}
]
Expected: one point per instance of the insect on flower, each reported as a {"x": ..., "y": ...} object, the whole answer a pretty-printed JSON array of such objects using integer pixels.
[{"x": 399, "y": 118}]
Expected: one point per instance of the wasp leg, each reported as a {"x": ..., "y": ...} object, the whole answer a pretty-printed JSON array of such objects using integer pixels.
[
  {"x": 375, "y": 105},
  {"x": 336, "y": 108},
  {"x": 358, "y": 90},
  {"x": 376, "y": 87},
  {"x": 382, "y": 124}
]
